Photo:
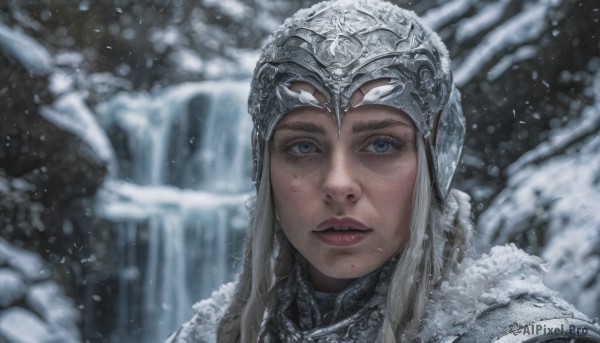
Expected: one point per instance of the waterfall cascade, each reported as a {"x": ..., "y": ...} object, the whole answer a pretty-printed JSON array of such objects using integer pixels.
[{"x": 178, "y": 202}]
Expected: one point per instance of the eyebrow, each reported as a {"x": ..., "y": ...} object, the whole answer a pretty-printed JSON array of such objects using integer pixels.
[
  {"x": 301, "y": 126},
  {"x": 362, "y": 126}
]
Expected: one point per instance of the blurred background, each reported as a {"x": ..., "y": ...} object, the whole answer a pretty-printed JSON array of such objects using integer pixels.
[{"x": 125, "y": 156}]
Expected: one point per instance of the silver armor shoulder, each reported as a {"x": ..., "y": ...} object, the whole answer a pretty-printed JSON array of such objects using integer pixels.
[{"x": 529, "y": 320}]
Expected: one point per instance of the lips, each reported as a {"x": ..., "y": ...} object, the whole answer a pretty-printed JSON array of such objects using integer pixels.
[
  {"x": 341, "y": 224},
  {"x": 342, "y": 232}
]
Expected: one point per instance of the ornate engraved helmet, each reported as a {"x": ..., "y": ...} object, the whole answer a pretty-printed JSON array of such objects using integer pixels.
[{"x": 339, "y": 46}]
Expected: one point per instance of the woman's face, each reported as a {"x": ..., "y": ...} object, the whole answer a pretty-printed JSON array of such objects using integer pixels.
[{"x": 344, "y": 202}]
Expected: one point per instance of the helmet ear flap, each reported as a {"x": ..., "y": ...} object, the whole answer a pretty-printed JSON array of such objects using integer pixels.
[{"x": 447, "y": 143}]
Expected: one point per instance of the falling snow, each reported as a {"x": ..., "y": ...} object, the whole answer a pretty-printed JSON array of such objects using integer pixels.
[{"x": 164, "y": 226}]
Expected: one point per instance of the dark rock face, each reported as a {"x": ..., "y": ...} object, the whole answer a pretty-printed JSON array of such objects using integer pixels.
[
  {"x": 45, "y": 174},
  {"x": 58, "y": 168}
]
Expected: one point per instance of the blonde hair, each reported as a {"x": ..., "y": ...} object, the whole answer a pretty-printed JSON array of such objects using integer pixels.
[{"x": 428, "y": 256}]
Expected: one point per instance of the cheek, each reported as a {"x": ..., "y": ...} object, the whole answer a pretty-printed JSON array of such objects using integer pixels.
[
  {"x": 291, "y": 203},
  {"x": 295, "y": 184},
  {"x": 397, "y": 199},
  {"x": 286, "y": 186},
  {"x": 289, "y": 193},
  {"x": 397, "y": 192}
]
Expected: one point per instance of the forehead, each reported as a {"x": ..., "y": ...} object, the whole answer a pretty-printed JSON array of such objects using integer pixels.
[{"x": 318, "y": 118}]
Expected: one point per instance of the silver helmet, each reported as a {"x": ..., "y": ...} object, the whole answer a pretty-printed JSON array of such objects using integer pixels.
[{"x": 339, "y": 46}]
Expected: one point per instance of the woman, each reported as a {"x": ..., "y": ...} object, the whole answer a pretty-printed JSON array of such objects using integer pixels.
[{"x": 356, "y": 235}]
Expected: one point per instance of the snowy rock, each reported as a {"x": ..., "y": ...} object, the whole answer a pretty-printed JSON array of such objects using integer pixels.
[
  {"x": 20, "y": 326},
  {"x": 440, "y": 16},
  {"x": 525, "y": 27},
  {"x": 44, "y": 313},
  {"x": 11, "y": 286},
  {"x": 26, "y": 50},
  {"x": 28, "y": 264},
  {"x": 48, "y": 300},
  {"x": 70, "y": 113}
]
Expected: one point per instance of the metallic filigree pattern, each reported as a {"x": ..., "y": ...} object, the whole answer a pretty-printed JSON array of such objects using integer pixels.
[{"x": 339, "y": 46}]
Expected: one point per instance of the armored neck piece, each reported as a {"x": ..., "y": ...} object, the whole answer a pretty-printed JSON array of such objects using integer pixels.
[
  {"x": 339, "y": 46},
  {"x": 356, "y": 314}
]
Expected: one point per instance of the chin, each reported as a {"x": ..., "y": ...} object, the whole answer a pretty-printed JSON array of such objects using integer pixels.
[{"x": 348, "y": 269}]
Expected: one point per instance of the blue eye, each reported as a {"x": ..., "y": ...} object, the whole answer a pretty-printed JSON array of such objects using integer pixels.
[
  {"x": 303, "y": 148},
  {"x": 383, "y": 145}
]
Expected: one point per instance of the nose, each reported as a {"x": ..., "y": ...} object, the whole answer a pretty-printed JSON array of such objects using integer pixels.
[{"x": 340, "y": 183}]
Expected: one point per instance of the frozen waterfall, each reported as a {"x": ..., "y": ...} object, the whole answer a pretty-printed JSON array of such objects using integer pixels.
[{"x": 178, "y": 204}]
